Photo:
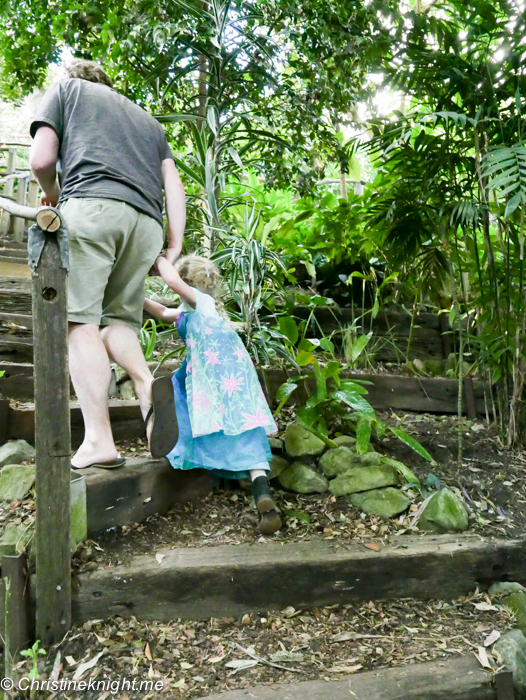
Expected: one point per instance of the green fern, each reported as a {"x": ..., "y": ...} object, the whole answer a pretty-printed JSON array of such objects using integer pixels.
[{"x": 506, "y": 166}]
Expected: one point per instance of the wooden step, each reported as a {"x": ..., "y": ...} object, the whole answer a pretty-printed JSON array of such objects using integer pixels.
[
  {"x": 15, "y": 301},
  {"x": 11, "y": 252},
  {"x": 15, "y": 348},
  {"x": 425, "y": 395},
  {"x": 141, "y": 488},
  {"x": 451, "y": 679},
  {"x": 14, "y": 270},
  {"x": 125, "y": 416},
  {"x": 229, "y": 580}
]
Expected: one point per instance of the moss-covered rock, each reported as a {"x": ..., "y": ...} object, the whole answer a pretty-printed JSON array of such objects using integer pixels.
[
  {"x": 512, "y": 648},
  {"x": 300, "y": 443},
  {"x": 517, "y": 603},
  {"x": 445, "y": 512},
  {"x": 277, "y": 465},
  {"x": 345, "y": 441},
  {"x": 505, "y": 588},
  {"x": 363, "y": 479},
  {"x": 371, "y": 459},
  {"x": 14, "y": 539},
  {"x": 15, "y": 481},
  {"x": 16, "y": 452},
  {"x": 302, "y": 478},
  {"x": 338, "y": 461},
  {"x": 386, "y": 502}
]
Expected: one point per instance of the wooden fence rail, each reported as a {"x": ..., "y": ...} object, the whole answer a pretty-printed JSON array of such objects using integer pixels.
[
  {"x": 26, "y": 194},
  {"x": 52, "y": 425}
]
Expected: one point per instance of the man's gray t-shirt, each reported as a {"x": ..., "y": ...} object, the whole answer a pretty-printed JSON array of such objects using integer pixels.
[{"x": 109, "y": 146}]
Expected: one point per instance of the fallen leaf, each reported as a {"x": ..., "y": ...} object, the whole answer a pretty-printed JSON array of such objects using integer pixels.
[
  {"x": 482, "y": 656},
  {"x": 147, "y": 652},
  {"x": 215, "y": 659},
  {"x": 345, "y": 669},
  {"x": 185, "y": 665},
  {"x": 374, "y": 546},
  {"x": 200, "y": 679},
  {"x": 71, "y": 661},
  {"x": 491, "y": 638},
  {"x": 343, "y": 637},
  {"x": 485, "y": 607},
  {"x": 86, "y": 666},
  {"x": 159, "y": 558},
  {"x": 179, "y": 683},
  {"x": 239, "y": 664},
  {"x": 281, "y": 656}
]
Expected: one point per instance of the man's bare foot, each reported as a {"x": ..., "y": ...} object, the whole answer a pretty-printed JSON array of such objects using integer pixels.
[{"x": 85, "y": 456}]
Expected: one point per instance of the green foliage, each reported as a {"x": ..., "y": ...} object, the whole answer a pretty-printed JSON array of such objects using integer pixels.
[{"x": 33, "y": 653}]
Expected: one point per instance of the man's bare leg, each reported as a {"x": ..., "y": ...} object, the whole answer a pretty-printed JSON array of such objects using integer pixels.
[
  {"x": 123, "y": 347},
  {"x": 90, "y": 371}
]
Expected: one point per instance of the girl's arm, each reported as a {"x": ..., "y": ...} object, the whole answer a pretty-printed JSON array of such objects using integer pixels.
[
  {"x": 174, "y": 281},
  {"x": 162, "y": 313}
]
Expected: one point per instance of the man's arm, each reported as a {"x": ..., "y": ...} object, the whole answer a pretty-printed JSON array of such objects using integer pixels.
[
  {"x": 175, "y": 209},
  {"x": 43, "y": 158}
]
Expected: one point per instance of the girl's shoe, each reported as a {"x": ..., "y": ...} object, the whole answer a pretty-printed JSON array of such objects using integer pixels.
[{"x": 269, "y": 519}]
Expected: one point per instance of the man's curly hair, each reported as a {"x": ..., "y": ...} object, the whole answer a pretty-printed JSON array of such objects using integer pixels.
[{"x": 88, "y": 70}]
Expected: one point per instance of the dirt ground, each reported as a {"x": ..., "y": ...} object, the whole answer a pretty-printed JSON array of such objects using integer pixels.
[
  {"x": 492, "y": 481},
  {"x": 196, "y": 658}
]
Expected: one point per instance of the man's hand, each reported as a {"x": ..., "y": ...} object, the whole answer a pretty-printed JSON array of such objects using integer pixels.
[{"x": 51, "y": 199}]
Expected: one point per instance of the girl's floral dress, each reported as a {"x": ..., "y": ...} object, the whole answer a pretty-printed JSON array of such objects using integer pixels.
[{"x": 222, "y": 412}]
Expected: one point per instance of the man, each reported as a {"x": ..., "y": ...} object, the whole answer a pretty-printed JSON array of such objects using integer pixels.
[{"x": 115, "y": 161}]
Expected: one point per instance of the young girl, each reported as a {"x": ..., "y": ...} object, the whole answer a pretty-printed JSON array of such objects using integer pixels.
[{"x": 222, "y": 412}]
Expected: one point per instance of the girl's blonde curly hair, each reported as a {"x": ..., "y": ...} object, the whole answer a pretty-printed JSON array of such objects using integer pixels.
[{"x": 204, "y": 275}]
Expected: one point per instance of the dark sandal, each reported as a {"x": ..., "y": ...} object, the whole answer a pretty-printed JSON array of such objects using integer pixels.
[
  {"x": 113, "y": 464},
  {"x": 165, "y": 429}
]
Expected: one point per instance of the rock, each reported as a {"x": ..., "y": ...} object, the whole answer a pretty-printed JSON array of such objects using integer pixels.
[
  {"x": 15, "y": 452},
  {"x": 338, "y": 461},
  {"x": 445, "y": 512},
  {"x": 517, "y": 603},
  {"x": 78, "y": 512},
  {"x": 303, "y": 478},
  {"x": 512, "y": 648},
  {"x": 435, "y": 367},
  {"x": 15, "y": 481},
  {"x": 505, "y": 587},
  {"x": 300, "y": 443},
  {"x": 14, "y": 539},
  {"x": 120, "y": 374},
  {"x": 363, "y": 479},
  {"x": 276, "y": 445},
  {"x": 345, "y": 441},
  {"x": 127, "y": 391},
  {"x": 277, "y": 465},
  {"x": 371, "y": 459},
  {"x": 383, "y": 502}
]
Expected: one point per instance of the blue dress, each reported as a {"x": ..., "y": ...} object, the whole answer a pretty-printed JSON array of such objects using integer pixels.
[{"x": 222, "y": 412}]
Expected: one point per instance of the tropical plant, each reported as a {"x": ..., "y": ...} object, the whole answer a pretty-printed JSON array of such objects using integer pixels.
[{"x": 337, "y": 399}]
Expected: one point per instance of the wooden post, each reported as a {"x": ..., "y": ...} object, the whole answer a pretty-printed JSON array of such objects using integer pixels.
[
  {"x": 469, "y": 393},
  {"x": 4, "y": 420},
  {"x": 52, "y": 440},
  {"x": 32, "y": 195},
  {"x": 17, "y": 224},
  {"x": 504, "y": 685},
  {"x": 8, "y": 190},
  {"x": 15, "y": 568}
]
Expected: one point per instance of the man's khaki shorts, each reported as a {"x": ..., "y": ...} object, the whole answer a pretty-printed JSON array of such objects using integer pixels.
[{"x": 112, "y": 246}]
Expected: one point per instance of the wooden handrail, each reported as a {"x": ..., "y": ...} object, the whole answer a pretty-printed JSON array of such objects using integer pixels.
[{"x": 48, "y": 218}]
